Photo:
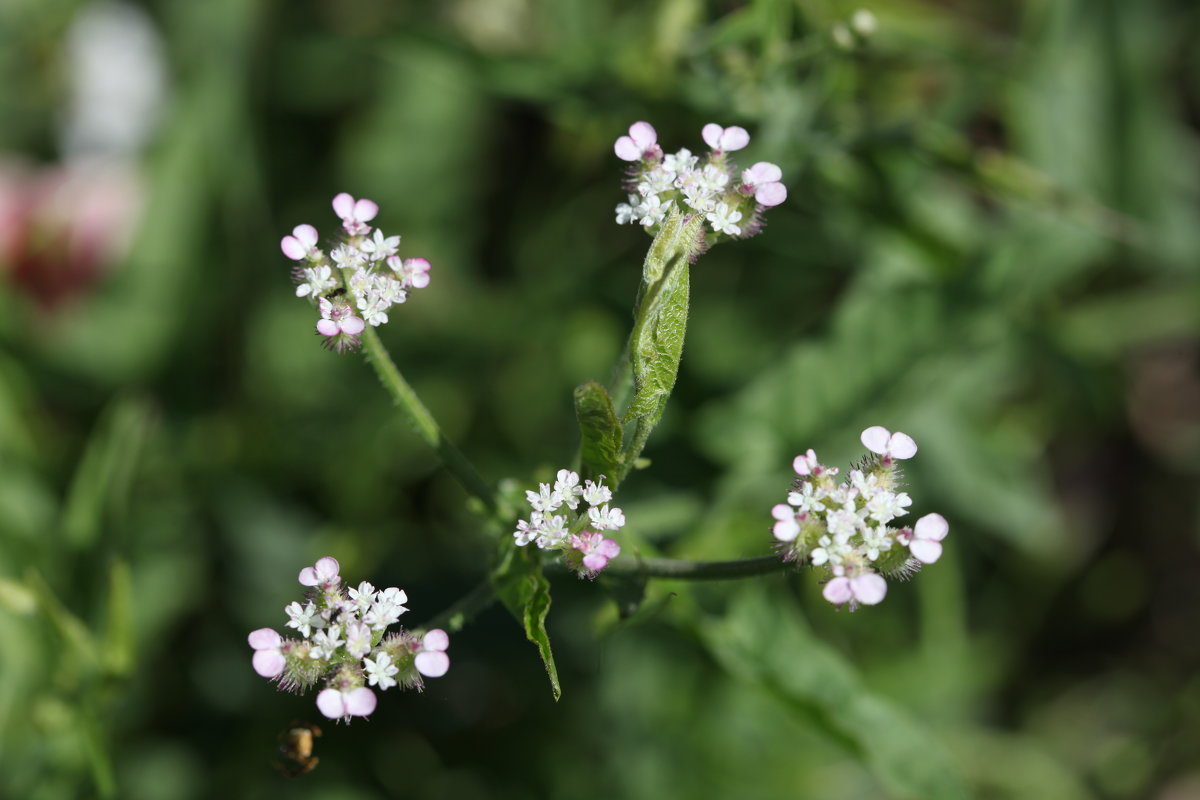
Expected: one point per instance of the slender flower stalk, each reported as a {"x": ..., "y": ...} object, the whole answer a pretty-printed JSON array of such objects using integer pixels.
[{"x": 426, "y": 427}]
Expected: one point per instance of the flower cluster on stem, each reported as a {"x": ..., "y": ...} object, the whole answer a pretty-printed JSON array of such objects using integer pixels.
[
  {"x": 345, "y": 645},
  {"x": 578, "y": 530},
  {"x": 845, "y": 528},
  {"x": 360, "y": 279},
  {"x": 732, "y": 202}
]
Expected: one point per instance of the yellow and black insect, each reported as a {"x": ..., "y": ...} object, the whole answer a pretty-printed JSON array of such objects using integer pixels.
[{"x": 296, "y": 749}]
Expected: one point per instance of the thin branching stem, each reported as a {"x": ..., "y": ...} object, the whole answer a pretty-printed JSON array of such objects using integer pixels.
[
  {"x": 424, "y": 424},
  {"x": 483, "y": 595}
]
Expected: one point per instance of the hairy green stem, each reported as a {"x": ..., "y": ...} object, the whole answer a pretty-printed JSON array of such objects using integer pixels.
[
  {"x": 483, "y": 595},
  {"x": 424, "y": 424}
]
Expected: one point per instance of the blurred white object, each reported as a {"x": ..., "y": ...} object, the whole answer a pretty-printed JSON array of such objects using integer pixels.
[{"x": 117, "y": 81}]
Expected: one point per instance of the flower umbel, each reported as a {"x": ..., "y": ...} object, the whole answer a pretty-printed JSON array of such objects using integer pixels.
[
  {"x": 731, "y": 201},
  {"x": 845, "y": 527},
  {"x": 360, "y": 279},
  {"x": 587, "y": 506},
  {"x": 344, "y": 644}
]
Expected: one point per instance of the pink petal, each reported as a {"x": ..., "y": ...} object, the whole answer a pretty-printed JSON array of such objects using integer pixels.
[
  {"x": 711, "y": 134},
  {"x": 786, "y": 530},
  {"x": 307, "y": 234},
  {"x": 627, "y": 149},
  {"x": 419, "y": 280},
  {"x": 868, "y": 588},
  {"x": 432, "y": 663},
  {"x": 308, "y": 575},
  {"x": 801, "y": 465},
  {"x": 292, "y": 248},
  {"x": 352, "y": 325},
  {"x": 359, "y": 702},
  {"x": 343, "y": 205},
  {"x": 762, "y": 172},
  {"x": 365, "y": 210},
  {"x": 837, "y": 591},
  {"x": 643, "y": 135},
  {"x": 264, "y": 639},
  {"x": 770, "y": 194},
  {"x": 327, "y": 567},
  {"x": 325, "y": 327},
  {"x": 783, "y": 512},
  {"x": 932, "y": 527},
  {"x": 609, "y": 548},
  {"x": 901, "y": 445},
  {"x": 331, "y": 704},
  {"x": 925, "y": 550},
  {"x": 595, "y": 561},
  {"x": 269, "y": 663},
  {"x": 436, "y": 639},
  {"x": 876, "y": 439},
  {"x": 734, "y": 138}
]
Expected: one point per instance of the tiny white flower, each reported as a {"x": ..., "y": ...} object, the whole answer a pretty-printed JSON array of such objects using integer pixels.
[
  {"x": 358, "y": 639},
  {"x": 317, "y": 281},
  {"x": 348, "y": 257},
  {"x": 787, "y": 525},
  {"x": 379, "y": 247},
  {"x": 567, "y": 487},
  {"x": 553, "y": 532},
  {"x": 627, "y": 213},
  {"x": 595, "y": 494},
  {"x": 606, "y": 519},
  {"x": 379, "y": 671},
  {"x": 723, "y": 219},
  {"x": 866, "y": 588},
  {"x": 654, "y": 210},
  {"x": 927, "y": 536},
  {"x": 680, "y": 162},
  {"x": 326, "y": 642},
  {"x": 544, "y": 499},
  {"x": 880, "y": 440},
  {"x": 884, "y": 507},
  {"x": 303, "y": 618}
]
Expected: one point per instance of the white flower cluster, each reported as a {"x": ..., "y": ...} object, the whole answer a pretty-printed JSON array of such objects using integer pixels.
[
  {"x": 731, "y": 202},
  {"x": 586, "y": 551},
  {"x": 343, "y": 643},
  {"x": 845, "y": 527},
  {"x": 361, "y": 278}
]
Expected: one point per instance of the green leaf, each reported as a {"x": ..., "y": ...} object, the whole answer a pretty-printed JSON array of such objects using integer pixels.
[
  {"x": 660, "y": 324},
  {"x": 118, "y": 632},
  {"x": 525, "y": 592},
  {"x": 102, "y": 482},
  {"x": 600, "y": 431},
  {"x": 762, "y": 640}
]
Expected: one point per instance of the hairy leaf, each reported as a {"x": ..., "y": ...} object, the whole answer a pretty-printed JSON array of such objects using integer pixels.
[
  {"x": 525, "y": 592},
  {"x": 600, "y": 431}
]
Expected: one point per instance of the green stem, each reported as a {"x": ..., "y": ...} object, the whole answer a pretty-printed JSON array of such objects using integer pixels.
[
  {"x": 480, "y": 598},
  {"x": 424, "y": 424},
  {"x": 679, "y": 569}
]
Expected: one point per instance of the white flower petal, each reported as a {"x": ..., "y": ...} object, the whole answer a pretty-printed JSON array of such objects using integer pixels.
[
  {"x": 269, "y": 663},
  {"x": 837, "y": 591},
  {"x": 925, "y": 550},
  {"x": 932, "y": 527},
  {"x": 359, "y": 702},
  {"x": 876, "y": 439},
  {"x": 901, "y": 445},
  {"x": 331, "y": 704},
  {"x": 432, "y": 663},
  {"x": 869, "y": 588}
]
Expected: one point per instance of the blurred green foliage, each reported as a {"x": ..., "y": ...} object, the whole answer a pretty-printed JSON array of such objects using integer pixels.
[{"x": 990, "y": 242}]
